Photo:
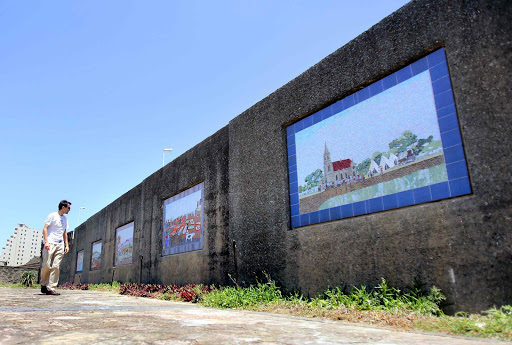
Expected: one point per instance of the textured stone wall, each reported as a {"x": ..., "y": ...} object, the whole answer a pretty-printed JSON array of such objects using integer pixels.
[
  {"x": 12, "y": 275},
  {"x": 462, "y": 245}
]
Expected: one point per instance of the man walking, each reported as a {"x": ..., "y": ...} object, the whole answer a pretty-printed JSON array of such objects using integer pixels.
[{"x": 55, "y": 246}]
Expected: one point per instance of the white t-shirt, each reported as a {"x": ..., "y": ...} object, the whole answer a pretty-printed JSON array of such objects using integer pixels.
[{"x": 57, "y": 224}]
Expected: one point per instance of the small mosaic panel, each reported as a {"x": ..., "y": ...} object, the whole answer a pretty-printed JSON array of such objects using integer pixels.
[
  {"x": 124, "y": 244},
  {"x": 96, "y": 255},
  {"x": 392, "y": 144},
  {"x": 183, "y": 221},
  {"x": 79, "y": 261}
]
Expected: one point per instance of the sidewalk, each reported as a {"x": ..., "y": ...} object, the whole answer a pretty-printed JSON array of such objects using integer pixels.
[{"x": 89, "y": 317}]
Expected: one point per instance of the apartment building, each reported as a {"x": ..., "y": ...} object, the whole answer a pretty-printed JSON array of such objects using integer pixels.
[{"x": 22, "y": 246}]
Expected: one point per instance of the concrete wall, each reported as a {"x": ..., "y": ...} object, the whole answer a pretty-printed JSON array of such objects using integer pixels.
[
  {"x": 12, "y": 275},
  {"x": 463, "y": 245}
]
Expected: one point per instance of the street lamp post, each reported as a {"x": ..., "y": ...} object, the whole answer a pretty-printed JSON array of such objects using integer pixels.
[
  {"x": 81, "y": 208},
  {"x": 163, "y": 159}
]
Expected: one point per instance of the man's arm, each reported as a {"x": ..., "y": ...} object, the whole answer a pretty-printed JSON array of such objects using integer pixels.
[
  {"x": 66, "y": 246},
  {"x": 45, "y": 237}
]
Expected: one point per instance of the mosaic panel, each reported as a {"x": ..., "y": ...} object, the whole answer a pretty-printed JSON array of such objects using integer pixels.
[
  {"x": 96, "y": 255},
  {"x": 183, "y": 221},
  {"x": 392, "y": 144},
  {"x": 124, "y": 244}
]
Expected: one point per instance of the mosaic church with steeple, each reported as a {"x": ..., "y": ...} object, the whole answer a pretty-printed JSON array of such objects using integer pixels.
[{"x": 339, "y": 170}]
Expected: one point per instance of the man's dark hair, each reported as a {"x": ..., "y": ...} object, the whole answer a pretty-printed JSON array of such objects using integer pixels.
[{"x": 63, "y": 203}]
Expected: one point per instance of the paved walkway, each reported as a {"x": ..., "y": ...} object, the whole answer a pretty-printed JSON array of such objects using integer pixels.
[{"x": 88, "y": 317}]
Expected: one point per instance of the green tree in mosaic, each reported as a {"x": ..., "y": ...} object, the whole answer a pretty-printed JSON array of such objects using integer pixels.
[
  {"x": 421, "y": 143},
  {"x": 400, "y": 144},
  {"x": 363, "y": 167},
  {"x": 314, "y": 179}
]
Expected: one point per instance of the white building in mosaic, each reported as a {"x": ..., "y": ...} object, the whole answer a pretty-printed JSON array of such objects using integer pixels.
[{"x": 22, "y": 246}]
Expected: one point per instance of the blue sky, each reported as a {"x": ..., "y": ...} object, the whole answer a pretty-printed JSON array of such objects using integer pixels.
[
  {"x": 91, "y": 92},
  {"x": 368, "y": 127}
]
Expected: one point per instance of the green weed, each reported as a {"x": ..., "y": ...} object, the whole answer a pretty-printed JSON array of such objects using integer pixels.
[
  {"x": 28, "y": 278},
  {"x": 382, "y": 298},
  {"x": 244, "y": 298},
  {"x": 495, "y": 323},
  {"x": 114, "y": 287}
]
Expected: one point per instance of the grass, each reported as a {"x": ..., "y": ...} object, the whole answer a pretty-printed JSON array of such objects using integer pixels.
[
  {"x": 19, "y": 286},
  {"x": 114, "y": 287},
  {"x": 252, "y": 298},
  {"x": 383, "y": 306},
  {"x": 381, "y": 298},
  {"x": 495, "y": 323}
]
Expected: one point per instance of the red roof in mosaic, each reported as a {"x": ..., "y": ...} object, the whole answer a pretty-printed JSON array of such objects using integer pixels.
[{"x": 343, "y": 164}]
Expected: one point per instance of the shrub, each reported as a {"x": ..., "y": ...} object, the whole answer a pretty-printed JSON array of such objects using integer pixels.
[
  {"x": 187, "y": 293},
  {"x": 28, "y": 278}
]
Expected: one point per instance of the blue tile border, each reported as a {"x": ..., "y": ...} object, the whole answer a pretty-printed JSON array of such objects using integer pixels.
[
  {"x": 304, "y": 219},
  {"x": 376, "y": 88},
  {"x": 456, "y": 170},
  {"x": 335, "y": 212},
  {"x": 444, "y": 99},
  {"x": 422, "y": 195},
  {"x": 451, "y": 138},
  {"x": 458, "y": 181},
  {"x": 347, "y": 211},
  {"x": 348, "y": 101},
  {"x": 436, "y": 58},
  {"x": 290, "y": 130},
  {"x": 324, "y": 215},
  {"x": 290, "y": 140},
  {"x": 314, "y": 217},
  {"x": 325, "y": 113},
  {"x": 390, "y": 201},
  {"x": 376, "y": 205},
  {"x": 404, "y": 74},
  {"x": 448, "y": 123},
  {"x": 389, "y": 81},
  {"x": 363, "y": 95},
  {"x": 440, "y": 190},
  {"x": 337, "y": 107},
  {"x": 454, "y": 154},
  {"x": 441, "y": 85},
  {"x": 295, "y": 210},
  {"x": 405, "y": 198},
  {"x": 359, "y": 208},
  {"x": 449, "y": 110},
  {"x": 292, "y": 163},
  {"x": 294, "y": 198},
  {"x": 419, "y": 66},
  {"x": 460, "y": 187},
  {"x": 438, "y": 71}
]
